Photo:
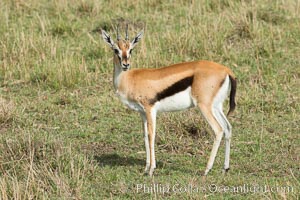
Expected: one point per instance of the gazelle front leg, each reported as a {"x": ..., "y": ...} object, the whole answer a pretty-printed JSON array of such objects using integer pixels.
[
  {"x": 146, "y": 138},
  {"x": 151, "y": 125}
]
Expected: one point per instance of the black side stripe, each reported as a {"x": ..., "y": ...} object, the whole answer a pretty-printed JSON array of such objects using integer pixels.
[{"x": 173, "y": 89}]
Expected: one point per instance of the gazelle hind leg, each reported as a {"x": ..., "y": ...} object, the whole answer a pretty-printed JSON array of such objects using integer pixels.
[
  {"x": 221, "y": 118},
  {"x": 227, "y": 133},
  {"x": 218, "y": 130}
]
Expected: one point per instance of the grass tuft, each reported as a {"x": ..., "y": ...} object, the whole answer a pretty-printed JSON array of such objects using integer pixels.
[{"x": 7, "y": 109}]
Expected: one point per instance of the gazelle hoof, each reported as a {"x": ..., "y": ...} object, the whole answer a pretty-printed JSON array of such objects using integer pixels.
[
  {"x": 151, "y": 172},
  {"x": 206, "y": 172},
  {"x": 226, "y": 170},
  {"x": 146, "y": 169}
]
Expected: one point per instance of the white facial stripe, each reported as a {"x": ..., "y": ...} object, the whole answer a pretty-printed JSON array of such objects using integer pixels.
[{"x": 129, "y": 53}]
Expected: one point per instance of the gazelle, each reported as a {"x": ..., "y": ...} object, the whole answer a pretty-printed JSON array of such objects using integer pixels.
[{"x": 204, "y": 84}]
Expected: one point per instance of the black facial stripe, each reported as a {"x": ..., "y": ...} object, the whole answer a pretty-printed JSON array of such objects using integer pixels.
[
  {"x": 173, "y": 89},
  {"x": 120, "y": 60},
  {"x": 116, "y": 51}
]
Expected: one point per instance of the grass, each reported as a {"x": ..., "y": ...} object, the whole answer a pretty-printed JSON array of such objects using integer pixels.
[{"x": 65, "y": 135}]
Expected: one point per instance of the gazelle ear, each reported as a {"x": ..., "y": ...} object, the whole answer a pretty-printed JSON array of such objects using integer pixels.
[
  {"x": 137, "y": 39},
  {"x": 107, "y": 39}
]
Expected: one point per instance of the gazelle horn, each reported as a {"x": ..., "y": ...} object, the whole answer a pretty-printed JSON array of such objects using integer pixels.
[
  {"x": 118, "y": 36},
  {"x": 126, "y": 38}
]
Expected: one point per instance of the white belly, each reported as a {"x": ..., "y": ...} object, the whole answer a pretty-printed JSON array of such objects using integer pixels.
[
  {"x": 130, "y": 104},
  {"x": 180, "y": 101}
]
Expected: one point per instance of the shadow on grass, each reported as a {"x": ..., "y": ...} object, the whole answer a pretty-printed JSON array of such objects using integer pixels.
[{"x": 114, "y": 159}]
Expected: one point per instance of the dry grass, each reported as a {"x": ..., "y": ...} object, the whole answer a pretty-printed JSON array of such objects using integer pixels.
[
  {"x": 32, "y": 168},
  {"x": 59, "y": 134},
  {"x": 6, "y": 111}
]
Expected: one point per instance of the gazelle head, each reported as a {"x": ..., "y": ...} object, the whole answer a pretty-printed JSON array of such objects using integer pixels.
[{"x": 122, "y": 48}]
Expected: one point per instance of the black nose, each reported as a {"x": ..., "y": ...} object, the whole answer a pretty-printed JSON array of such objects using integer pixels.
[{"x": 125, "y": 67}]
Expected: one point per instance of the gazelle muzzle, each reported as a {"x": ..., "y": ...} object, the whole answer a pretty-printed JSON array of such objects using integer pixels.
[{"x": 125, "y": 67}]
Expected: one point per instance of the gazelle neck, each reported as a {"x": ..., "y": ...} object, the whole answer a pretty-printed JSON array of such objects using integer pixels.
[{"x": 117, "y": 72}]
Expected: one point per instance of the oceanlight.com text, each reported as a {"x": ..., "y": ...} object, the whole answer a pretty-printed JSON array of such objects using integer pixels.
[{"x": 212, "y": 188}]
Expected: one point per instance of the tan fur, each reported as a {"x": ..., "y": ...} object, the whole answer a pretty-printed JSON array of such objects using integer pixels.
[
  {"x": 124, "y": 46},
  {"x": 142, "y": 84}
]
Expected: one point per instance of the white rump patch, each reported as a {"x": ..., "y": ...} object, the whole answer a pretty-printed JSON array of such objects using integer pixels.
[{"x": 217, "y": 108}]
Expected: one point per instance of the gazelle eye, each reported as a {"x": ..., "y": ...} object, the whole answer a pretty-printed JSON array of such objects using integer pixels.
[{"x": 116, "y": 51}]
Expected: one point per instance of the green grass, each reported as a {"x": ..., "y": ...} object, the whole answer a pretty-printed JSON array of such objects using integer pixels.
[{"x": 65, "y": 135}]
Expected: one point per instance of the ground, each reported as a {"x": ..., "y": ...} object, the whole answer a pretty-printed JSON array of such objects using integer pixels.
[{"x": 65, "y": 135}]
